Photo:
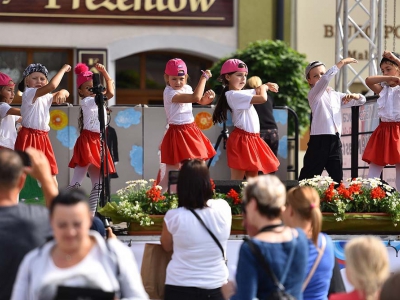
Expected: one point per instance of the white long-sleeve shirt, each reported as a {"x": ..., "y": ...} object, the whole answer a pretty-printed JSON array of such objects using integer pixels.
[{"x": 326, "y": 105}]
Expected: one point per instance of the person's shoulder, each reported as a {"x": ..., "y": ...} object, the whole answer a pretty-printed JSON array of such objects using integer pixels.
[
  {"x": 217, "y": 203},
  {"x": 173, "y": 212},
  {"x": 31, "y": 210}
]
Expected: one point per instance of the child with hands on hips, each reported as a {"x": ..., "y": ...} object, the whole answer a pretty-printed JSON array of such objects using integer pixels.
[
  {"x": 86, "y": 157},
  {"x": 247, "y": 153},
  {"x": 183, "y": 139},
  {"x": 383, "y": 147},
  {"x": 325, "y": 148},
  {"x": 35, "y": 109},
  {"x": 9, "y": 116}
]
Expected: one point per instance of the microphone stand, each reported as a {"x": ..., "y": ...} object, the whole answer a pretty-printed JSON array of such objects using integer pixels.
[
  {"x": 98, "y": 90},
  {"x": 222, "y": 136}
]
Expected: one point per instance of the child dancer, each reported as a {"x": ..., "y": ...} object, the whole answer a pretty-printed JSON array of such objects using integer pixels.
[
  {"x": 183, "y": 139},
  {"x": 247, "y": 153},
  {"x": 9, "y": 116},
  {"x": 325, "y": 148},
  {"x": 36, "y": 102},
  {"x": 383, "y": 147},
  {"x": 86, "y": 157}
]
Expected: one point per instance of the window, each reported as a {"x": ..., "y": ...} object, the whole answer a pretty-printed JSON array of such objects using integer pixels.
[
  {"x": 13, "y": 62},
  {"x": 140, "y": 77}
]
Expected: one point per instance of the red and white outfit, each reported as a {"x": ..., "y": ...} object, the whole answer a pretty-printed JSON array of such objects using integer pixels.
[
  {"x": 87, "y": 146},
  {"x": 245, "y": 148},
  {"x": 35, "y": 125},
  {"x": 183, "y": 139},
  {"x": 8, "y": 133},
  {"x": 383, "y": 147}
]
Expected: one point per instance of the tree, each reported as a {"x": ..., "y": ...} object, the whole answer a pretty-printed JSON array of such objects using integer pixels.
[{"x": 274, "y": 61}]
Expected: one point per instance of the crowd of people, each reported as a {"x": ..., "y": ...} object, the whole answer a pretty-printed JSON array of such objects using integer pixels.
[{"x": 52, "y": 253}]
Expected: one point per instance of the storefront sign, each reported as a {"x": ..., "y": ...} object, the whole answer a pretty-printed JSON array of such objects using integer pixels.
[{"x": 139, "y": 12}]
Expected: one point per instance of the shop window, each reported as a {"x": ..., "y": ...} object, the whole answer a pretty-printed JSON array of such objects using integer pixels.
[{"x": 140, "y": 77}]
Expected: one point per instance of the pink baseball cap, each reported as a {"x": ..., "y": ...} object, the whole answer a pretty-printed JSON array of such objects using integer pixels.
[
  {"x": 82, "y": 74},
  {"x": 233, "y": 65},
  {"x": 176, "y": 67},
  {"x": 6, "y": 80}
]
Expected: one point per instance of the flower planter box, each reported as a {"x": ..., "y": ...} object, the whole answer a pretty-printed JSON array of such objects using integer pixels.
[
  {"x": 135, "y": 229},
  {"x": 359, "y": 223}
]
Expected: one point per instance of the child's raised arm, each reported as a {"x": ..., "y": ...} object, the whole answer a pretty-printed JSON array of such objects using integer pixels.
[
  {"x": 53, "y": 84},
  {"x": 392, "y": 57},
  {"x": 261, "y": 92},
  {"x": 110, "y": 90},
  {"x": 373, "y": 82},
  {"x": 60, "y": 96},
  {"x": 14, "y": 111},
  {"x": 197, "y": 93}
]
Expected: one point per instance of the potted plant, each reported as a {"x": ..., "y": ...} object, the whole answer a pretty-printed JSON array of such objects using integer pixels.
[
  {"x": 142, "y": 205},
  {"x": 357, "y": 205}
]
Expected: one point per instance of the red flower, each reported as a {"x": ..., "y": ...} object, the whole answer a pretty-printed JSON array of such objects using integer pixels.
[
  {"x": 377, "y": 193},
  {"x": 355, "y": 188},
  {"x": 342, "y": 191},
  {"x": 212, "y": 184},
  {"x": 155, "y": 194},
  {"x": 330, "y": 193},
  {"x": 234, "y": 196}
]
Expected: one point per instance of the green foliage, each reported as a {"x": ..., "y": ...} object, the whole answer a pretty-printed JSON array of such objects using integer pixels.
[{"x": 274, "y": 61}]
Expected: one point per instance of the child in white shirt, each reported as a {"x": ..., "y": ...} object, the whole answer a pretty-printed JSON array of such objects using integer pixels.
[
  {"x": 9, "y": 116},
  {"x": 383, "y": 147},
  {"x": 35, "y": 109},
  {"x": 247, "y": 153}
]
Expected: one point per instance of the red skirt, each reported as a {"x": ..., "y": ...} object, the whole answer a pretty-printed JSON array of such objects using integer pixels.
[
  {"x": 182, "y": 142},
  {"x": 38, "y": 139},
  {"x": 87, "y": 151},
  {"x": 383, "y": 147},
  {"x": 247, "y": 151}
]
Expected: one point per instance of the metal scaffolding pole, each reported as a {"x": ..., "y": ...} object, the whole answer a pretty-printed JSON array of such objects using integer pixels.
[{"x": 371, "y": 31}]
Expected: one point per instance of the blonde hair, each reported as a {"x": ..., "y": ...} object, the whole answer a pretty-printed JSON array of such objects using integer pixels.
[
  {"x": 367, "y": 264},
  {"x": 253, "y": 82},
  {"x": 269, "y": 193},
  {"x": 305, "y": 202}
]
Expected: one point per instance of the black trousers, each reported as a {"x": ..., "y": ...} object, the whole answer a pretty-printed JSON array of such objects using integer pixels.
[
  {"x": 173, "y": 292},
  {"x": 324, "y": 151},
  {"x": 271, "y": 137}
]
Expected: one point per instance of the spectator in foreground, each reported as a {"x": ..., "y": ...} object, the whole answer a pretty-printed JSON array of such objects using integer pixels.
[
  {"x": 284, "y": 249},
  {"x": 197, "y": 269},
  {"x": 78, "y": 261},
  {"x": 367, "y": 268},
  {"x": 22, "y": 227}
]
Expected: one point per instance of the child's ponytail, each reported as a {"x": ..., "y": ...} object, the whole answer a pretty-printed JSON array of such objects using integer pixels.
[
  {"x": 80, "y": 120},
  {"x": 221, "y": 109}
]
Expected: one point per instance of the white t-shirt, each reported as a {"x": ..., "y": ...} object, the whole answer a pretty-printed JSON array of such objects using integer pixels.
[
  {"x": 389, "y": 103},
  {"x": 8, "y": 133},
  {"x": 244, "y": 115},
  {"x": 89, "y": 273},
  {"x": 91, "y": 114},
  {"x": 36, "y": 115},
  {"x": 197, "y": 260},
  {"x": 178, "y": 113}
]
